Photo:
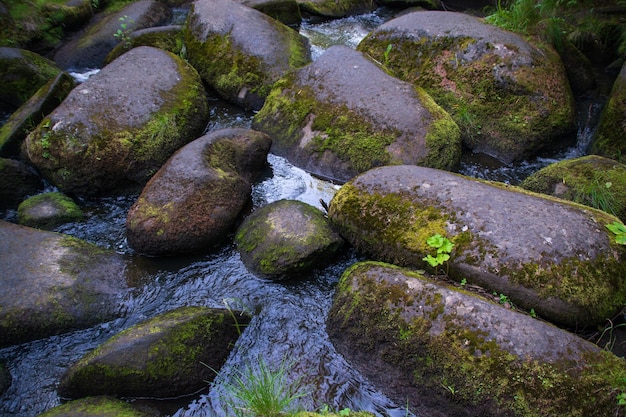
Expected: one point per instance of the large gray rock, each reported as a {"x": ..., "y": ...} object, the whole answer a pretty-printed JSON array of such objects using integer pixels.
[
  {"x": 173, "y": 354},
  {"x": 448, "y": 352},
  {"x": 118, "y": 128},
  {"x": 89, "y": 48},
  {"x": 241, "y": 52},
  {"x": 285, "y": 239},
  {"x": 342, "y": 115},
  {"x": 22, "y": 73},
  {"x": 193, "y": 201},
  {"x": 549, "y": 255},
  {"x": 510, "y": 98},
  {"x": 52, "y": 283}
]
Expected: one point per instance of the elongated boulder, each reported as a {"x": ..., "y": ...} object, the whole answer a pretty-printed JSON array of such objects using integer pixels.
[
  {"x": 342, "y": 115},
  {"x": 608, "y": 138},
  {"x": 286, "y": 238},
  {"x": 116, "y": 130},
  {"x": 449, "y": 353},
  {"x": 193, "y": 201},
  {"x": 241, "y": 52},
  {"x": 510, "y": 98},
  {"x": 555, "y": 257},
  {"x": 53, "y": 283},
  {"x": 591, "y": 180},
  {"x": 173, "y": 354}
]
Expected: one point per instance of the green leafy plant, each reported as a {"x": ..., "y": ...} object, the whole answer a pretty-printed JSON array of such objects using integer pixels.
[
  {"x": 443, "y": 245},
  {"x": 261, "y": 391},
  {"x": 123, "y": 33},
  {"x": 619, "y": 230},
  {"x": 386, "y": 54}
]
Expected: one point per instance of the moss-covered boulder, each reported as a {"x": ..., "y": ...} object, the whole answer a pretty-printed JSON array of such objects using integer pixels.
[
  {"x": 285, "y": 11},
  {"x": 173, "y": 354},
  {"x": 546, "y": 254},
  {"x": 97, "y": 407},
  {"x": 53, "y": 283},
  {"x": 169, "y": 38},
  {"x": 46, "y": 99},
  {"x": 510, "y": 98},
  {"x": 48, "y": 210},
  {"x": 286, "y": 238},
  {"x": 448, "y": 352},
  {"x": 193, "y": 201},
  {"x": 22, "y": 73},
  {"x": 241, "y": 52},
  {"x": 89, "y": 48},
  {"x": 116, "y": 129},
  {"x": 342, "y": 115},
  {"x": 337, "y": 8},
  {"x": 17, "y": 182},
  {"x": 609, "y": 136},
  {"x": 591, "y": 180}
]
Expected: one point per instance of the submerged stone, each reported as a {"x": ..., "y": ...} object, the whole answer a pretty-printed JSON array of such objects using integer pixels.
[
  {"x": 546, "y": 254},
  {"x": 445, "y": 351}
]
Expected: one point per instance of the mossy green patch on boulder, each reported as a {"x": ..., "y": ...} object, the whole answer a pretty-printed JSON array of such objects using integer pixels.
[
  {"x": 240, "y": 52},
  {"x": 168, "y": 38},
  {"x": 509, "y": 97},
  {"x": 591, "y": 180},
  {"x": 286, "y": 238},
  {"x": 546, "y": 254},
  {"x": 53, "y": 283},
  {"x": 96, "y": 407},
  {"x": 191, "y": 204},
  {"x": 175, "y": 353},
  {"x": 608, "y": 139},
  {"x": 48, "y": 210},
  {"x": 116, "y": 129},
  {"x": 336, "y": 8},
  {"x": 444, "y": 350},
  {"x": 342, "y": 115}
]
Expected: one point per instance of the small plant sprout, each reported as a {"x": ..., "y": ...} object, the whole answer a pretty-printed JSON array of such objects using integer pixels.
[
  {"x": 444, "y": 246},
  {"x": 619, "y": 230},
  {"x": 386, "y": 54},
  {"x": 123, "y": 33}
]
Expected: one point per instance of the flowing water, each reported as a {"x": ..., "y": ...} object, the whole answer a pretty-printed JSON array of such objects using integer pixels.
[{"x": 288, "y": 317}]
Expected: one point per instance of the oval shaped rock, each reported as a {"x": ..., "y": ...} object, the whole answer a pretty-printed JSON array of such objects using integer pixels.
[
  {"x": 116, "y": 130},
  {"x": 342, "y": 115},
  {"x": 241, "y": 52},
  {"x": 555, "y": 257},
  {"x": 176, "y": 353},
  {"x": 48, "y": 210},
  {"x": 286, "y": 238},
  {"x": 449, "y": 353},
  {"x": 53, "y": 283},
  {"x": 193, "y": 201},
  {"x": 510, "y": 98}
]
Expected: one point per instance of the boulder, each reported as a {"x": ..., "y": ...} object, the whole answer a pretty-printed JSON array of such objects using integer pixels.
[
  {"x": 70, "y": 15},
  {"x": 5, "y": 378},
  {"x": 116, "y": 129},
  {"x": 239, "y": 51},
  {"x": 17, "y": 182},
  {"x": 342, "y": 115},
  {"x": 286, "y": 238},
  {"x": 609, "y": 136},
  {"x": 335, "y": 9},
  {"x": 193, "y": 201},
  {"x": 48, "y": 210},
  {"x": 446, "y": 352},
  {"x": 46, "y": 99},
  {"x": 89, "y": 48},
  {"x": 22, "y": 73},
  {"x": 176, "y": 353},
  {"x": 510, "y": 98},
  {"x": 591, "y": 180},
  {"x": 168, "y": 38},
  {"x": 285, "y": 11},
  {"x": 546, "y": 254},
  {"x": 53, "y": 283},
  {"x": 97, "y": 407}
]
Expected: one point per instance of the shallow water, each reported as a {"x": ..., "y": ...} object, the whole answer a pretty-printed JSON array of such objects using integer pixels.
[{"x": 288, "y": 317}]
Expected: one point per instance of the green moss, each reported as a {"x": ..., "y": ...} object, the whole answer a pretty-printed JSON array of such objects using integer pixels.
[
  {"x": 101, "y": 406},
  {"x": 65, "y": 210}
]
